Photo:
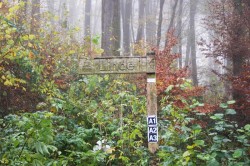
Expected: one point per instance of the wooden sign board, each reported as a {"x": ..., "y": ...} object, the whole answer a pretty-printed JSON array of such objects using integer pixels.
[{"x": 117, "y": 65}]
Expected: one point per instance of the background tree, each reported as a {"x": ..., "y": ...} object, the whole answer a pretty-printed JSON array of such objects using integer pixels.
[
  {"x": 193, "y": 6},
  {"x": 160, "y": 23},
  {"x": 141, "y": 23},
  {"x": 150, "y": 11},
  {"x": 126, "y": 22},
  {"x": 107, "y": 17},
  {"x": 179, "y": 30},
  {"x": 87, "y": 20},
  {"x": 111, "y": 31},
  {"x": 172, "y": 18},
  {"x": 230, "y": 23},
  {"x": 116, "y": 28}
]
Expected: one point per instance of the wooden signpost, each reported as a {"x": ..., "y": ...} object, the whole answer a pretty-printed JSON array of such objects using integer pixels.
[
  {"x": 117, "y": 65},
  {"x": 130, "y": 65}
]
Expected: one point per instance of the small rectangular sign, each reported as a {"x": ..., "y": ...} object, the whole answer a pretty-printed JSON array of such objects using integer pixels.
[
  {"x": 153, "y": 130},
  {"x": 117, "y": 65},
  {"x": 153, "y": 80},
  {"x": 152, "y": 120},
  {"x": 153, "y": 137}
]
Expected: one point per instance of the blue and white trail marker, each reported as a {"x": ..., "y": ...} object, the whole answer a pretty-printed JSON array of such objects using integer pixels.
[{"x": 152, "y": 129}]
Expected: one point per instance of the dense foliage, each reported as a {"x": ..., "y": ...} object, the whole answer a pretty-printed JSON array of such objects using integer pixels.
[{"x": 52, "y": 116}]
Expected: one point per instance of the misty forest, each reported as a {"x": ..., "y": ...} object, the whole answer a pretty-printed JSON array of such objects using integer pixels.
[{"x": 124, "y": 82}]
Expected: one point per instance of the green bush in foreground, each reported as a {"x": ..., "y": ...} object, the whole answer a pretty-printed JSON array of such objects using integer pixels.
[
  {"x": 96, "y": 137},
  {"x": 195, "y": 138}
]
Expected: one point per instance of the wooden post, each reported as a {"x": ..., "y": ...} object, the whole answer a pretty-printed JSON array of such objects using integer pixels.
[{"x": 152, "y": 107}]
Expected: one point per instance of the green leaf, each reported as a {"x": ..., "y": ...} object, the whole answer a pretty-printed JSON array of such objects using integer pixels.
[
  {"x": 134, "y": 88},
  {"x": 38, "y": 147},
  {"x": 11, "y": 42},
  {"x": 226, "y": 140},
  {"x": 201, "y": 104},
  {"x": 45, "y": 149},
  {"x": 199, "y": 142},
  {"x": 217, "y": 116},
  {"x": 247, "y": 127},
  {"x": 213, "y": 162},
  {"x": 223, "y": 105},
  {"x": 135, "y": 133},
  {"x": 230, "y": 112},
  {"x": 231, "y": 102},
  {"x": 203, "y": 157},
  {"x": 169, "y": 88},
  {"x": 238, "y": 153},
  {"x": 185, "y": 154}
]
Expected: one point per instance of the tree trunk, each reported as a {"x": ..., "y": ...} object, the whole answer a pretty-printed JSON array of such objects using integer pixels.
[
  {"x": 140, "y": 30},
  {"x": 35, "y": 16},
  {"x": 126, "y": 26},
  {"x": 160, "y": 23},
  {"x": 193, "y": 6},
  {"x": 188, "y": 48},
  {"x": 97, "y": 20},
  {"x": 179, "y": 32},
  {"x": 107, "y": 16},
  {"x": 151, "y": 10},
  {"x": 87, "y": 24},
  {"x": 116, "y": 28},
  {"x": 239, "y": 52},
  {"x": 171, "y": 24}
]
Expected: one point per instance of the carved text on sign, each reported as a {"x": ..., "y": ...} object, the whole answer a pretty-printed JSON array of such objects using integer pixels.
[{"x": 119, "y": 65}]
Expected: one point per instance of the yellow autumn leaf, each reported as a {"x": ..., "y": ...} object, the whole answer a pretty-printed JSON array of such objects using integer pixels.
[
  {"x": 31, "y": 37},
  {"x": 72, "y": 52},
  {"x": 53, "y": 109},
  {"x": 1, "y": 4},
  {"x": 110, "y": 150},
  {"x": 7, "y": 36},
  {"x": 30, "y": 45},
  {"x": 112, "y": 157},
  {"x": 3, "y": 77},
  {"x": 26, "y": 37},
  {"x": 99, "y": 51},
  {"x": 49, "y": 114},
  {"x": 8, "y": 83}
]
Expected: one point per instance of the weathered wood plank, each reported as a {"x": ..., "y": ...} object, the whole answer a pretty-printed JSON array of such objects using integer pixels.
[{"x": 117, "y": 65}]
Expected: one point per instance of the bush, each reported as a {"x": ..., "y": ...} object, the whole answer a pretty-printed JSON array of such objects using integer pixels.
[{"x": 196, "y": 138}]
